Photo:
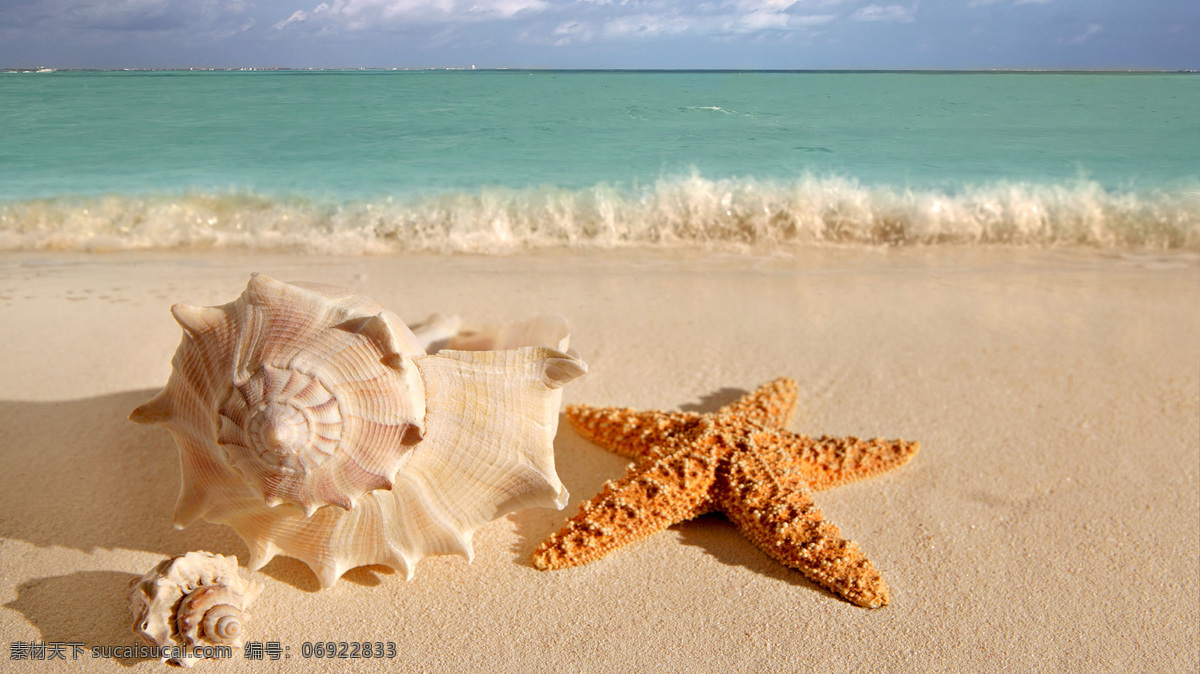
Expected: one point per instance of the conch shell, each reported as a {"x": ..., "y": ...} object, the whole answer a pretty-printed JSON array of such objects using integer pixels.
[
  {"x": 314, "y": 422},
  {"x": 189, "y": 601}
]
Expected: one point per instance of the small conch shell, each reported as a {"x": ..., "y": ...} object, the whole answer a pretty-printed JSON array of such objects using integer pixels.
[
  {"x": 190, "y": 601},
  {"x": 317, "y": 425}
]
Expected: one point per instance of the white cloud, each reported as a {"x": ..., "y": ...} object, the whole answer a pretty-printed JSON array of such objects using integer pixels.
[
  {"x": 985, "y": 3},
  {"x": 762, "y": 5},
  {"x": 569, "y": 22},
  {"x": 657, "y": 18},
  {"x": 756, "y": 21},
  {"x": 889, "y": 13},
  {"x": 647, "y": 25},
  {"x": 364, "y": 14},
  {"x": 1092, "y": 29},
  {"x": 571, "y": 32},
  {"x": 300, "y": 16},
  {"x": 563, "y": 22},
  {"x": 761, "y": 15},
  {"x": 506, "y": 8}
]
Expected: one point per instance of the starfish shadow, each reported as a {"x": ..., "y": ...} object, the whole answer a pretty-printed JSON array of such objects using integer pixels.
[
  {"x": 89, "y": 608},
  {"x": 715, "y": 400},
  {"x": 717, "y": 536}
]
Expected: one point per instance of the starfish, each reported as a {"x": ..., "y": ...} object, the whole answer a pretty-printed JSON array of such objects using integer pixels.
[{"x": 741, "y": 461}]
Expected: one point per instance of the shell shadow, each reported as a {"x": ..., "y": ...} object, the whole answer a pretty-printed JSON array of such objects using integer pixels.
[
  {"x": 53, "y": 605},
  {"x": 583, "y": 469},
  {"x": 79, "y": 474},
  {"x": 297, "y": 574},
  {"x": 293, "y": 572}
]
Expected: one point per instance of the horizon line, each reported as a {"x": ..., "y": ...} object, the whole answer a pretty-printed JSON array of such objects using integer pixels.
[{"x": 472, "y": 68}]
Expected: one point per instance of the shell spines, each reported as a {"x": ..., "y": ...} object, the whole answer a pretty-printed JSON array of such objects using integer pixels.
[{"x": 312, "y": 421}]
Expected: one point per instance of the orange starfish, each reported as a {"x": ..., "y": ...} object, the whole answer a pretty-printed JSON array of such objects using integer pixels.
[{"x": 740, "y": 461}]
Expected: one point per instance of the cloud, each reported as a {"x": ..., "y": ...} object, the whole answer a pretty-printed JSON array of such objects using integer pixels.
[
  {"x": 1092, "y": 29},
  {"x": 753, "y": 22},
  {"x": 762, "y": 5},
  {"x": 889, "y": 13},
  {"x": 647, "y": 25},
  {"x": 353, "y": 15},
  {"x": 572, "y": 32},
  {"x": 731, "y": 18},
  {"x": 506, "y": 8},
  {"x": 566, "y": 22},
  {"x": 985, "y": 3}
]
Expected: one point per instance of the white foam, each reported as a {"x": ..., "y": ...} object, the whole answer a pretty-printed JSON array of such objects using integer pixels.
[{"x": 687, "y": 211}]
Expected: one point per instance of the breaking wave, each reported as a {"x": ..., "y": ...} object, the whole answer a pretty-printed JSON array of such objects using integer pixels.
[{"x": 683, "y": 212}]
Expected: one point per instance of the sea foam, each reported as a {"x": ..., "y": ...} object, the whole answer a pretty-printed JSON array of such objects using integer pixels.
[{"x": 690, "y": 211}]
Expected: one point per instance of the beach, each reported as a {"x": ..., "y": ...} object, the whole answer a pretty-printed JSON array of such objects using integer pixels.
[{"x": 1050, "y": 521}]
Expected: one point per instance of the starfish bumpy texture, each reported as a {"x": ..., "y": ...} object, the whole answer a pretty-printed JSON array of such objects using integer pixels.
[{"x": 740, "y": 461}]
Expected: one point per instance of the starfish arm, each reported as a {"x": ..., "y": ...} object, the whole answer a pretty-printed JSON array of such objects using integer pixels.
[
  {"x": 827, "y": 462},
  {"x": 771, "y": 404},
  {"x": 782, "y": 520},
  {"x": 644, "y": 502},
  {"x": 642, "y": 436},
  {"x": 742, "y": 461}
]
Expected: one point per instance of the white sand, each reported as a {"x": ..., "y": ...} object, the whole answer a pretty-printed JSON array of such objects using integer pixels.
[{"x": 1051, "y": 521}]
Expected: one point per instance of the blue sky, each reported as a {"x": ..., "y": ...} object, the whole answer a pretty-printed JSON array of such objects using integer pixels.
[{"x": 801, "y": 34}]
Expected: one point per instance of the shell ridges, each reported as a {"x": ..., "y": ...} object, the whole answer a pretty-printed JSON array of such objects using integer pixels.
[
  {"x": 313, "y": 422},
  {"x": 191, "y": 600}
]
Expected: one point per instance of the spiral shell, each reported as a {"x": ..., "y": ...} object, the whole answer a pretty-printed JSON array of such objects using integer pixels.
[
  {"x": 314, "y": 422},
  {"x": 197, "y": 599},
  {"x": 316, "y": 397}
]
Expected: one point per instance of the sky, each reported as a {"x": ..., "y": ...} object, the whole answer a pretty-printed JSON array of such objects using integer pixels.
[{"x": 672, "y": 34}]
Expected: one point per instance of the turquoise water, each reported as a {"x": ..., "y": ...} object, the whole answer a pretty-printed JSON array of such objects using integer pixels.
[{"x": 491, "y": 161}]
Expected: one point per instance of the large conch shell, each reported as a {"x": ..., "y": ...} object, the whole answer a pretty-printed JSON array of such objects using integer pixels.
[
  {"x": 314, "y": 422},
  {"x": 191, "y": 601}
]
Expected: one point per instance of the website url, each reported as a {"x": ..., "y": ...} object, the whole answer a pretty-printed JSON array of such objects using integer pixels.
[
  {"x": 74, "y": 650},
  {"x": 162, "y": 652}
]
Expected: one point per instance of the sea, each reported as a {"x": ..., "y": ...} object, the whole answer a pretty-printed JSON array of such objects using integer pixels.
[{"x": 497, "y": 162}]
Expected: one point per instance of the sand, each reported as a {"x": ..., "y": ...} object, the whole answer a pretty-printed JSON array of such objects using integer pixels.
[{"x": 1051, "y": 521}]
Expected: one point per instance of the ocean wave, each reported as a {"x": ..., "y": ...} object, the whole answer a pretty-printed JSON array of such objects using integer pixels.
[{"x": 690, "y": 211}]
